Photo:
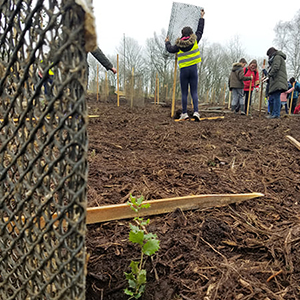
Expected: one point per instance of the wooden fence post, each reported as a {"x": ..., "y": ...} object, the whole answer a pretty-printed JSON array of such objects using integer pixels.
[{"x": 174, "y": 88}]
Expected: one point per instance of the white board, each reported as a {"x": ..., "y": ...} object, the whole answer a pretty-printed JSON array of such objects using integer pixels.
[{"x": 183, "y": 15}]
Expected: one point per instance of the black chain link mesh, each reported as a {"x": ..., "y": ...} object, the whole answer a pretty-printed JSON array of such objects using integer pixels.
[
  {"x": 43, "y": 146},
  {"x": 182, "y": 15}
]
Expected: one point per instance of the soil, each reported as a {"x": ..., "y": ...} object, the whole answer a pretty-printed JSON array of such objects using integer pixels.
[{"x": 240, "y": 251}]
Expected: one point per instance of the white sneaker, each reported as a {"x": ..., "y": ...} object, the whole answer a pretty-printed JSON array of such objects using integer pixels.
[
  {"x": 196, "y": 115},
  {"x": 184, "y": 116}
]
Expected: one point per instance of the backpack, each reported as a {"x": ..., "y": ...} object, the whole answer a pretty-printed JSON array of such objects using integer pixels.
[{"x": 246, "y": 70}]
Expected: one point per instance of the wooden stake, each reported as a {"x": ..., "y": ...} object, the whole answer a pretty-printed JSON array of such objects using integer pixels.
[
  {"x": 293, "y": 141},
  {"x": 157, "y": 207},
  {"x": 97, "y": 82},
  {"x": 174, "y": 88},
  {"x": 202, "y": 119},
  {"x": 118, "y": 81},
  {"x": 157, "y": 90},
  {"x": 291, "y": 102},
  {"x": 213, "y": 97},
  {"x": 249, "y": 96},
  {"x": 224, "y": 94},
  {"x": 261, "y": 88},
  {"x": 132, "y": 86},
  {"x": 106, "y": 86},
  {"x": 229, "y": 100}
]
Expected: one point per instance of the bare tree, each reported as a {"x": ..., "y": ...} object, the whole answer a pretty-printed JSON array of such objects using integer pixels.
[
  {"x": 159, "y": 61},
  {"x": 131, "y": 58},
  {"x": 288, "y": 40}
]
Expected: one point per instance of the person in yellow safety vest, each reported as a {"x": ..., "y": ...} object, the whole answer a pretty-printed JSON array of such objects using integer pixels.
[
  {"x": 48, "y": 81},
  {"x": 188, "y": 58}
]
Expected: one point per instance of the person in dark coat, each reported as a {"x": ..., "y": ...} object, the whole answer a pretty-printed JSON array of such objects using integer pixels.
[
  {"x": 236, "y": 85},
  {"x": 188, "y": 57},
  {"x": 277, "y": 82}
]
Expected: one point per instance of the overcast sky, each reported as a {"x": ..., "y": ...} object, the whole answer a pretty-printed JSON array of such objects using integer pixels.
[{"x": 253, "y": 21}]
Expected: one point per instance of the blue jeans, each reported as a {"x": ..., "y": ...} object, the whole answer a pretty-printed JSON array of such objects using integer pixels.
[
  {"x": 275, "y": 103},
  {"x": 189, "y": 76}
]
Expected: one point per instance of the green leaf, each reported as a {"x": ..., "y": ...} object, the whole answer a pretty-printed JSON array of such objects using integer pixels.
[
  {"x": 151, "y": 247},
  {"x": 128, "y": 292},
  {"x": 140, "y": 200},
  {"x": 137, "y": 296},
  {"x": 132, "y": 284},
  {"x": 150, "y": 236},
  {"x": 129, "y": 276},
  {"x": 145, "y": 223},
  {"x": 142, "y": 288},
  {"x": 134, "y": 265},
  {"x": 147, "y": 205},
  {"x": 141, "y": 278},
  {"x": 134, "y": 228},
  {"x": 136, "y": 237}
]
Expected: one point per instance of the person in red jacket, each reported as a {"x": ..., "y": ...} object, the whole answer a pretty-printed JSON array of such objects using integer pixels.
[{"x": 248, "y": 71}]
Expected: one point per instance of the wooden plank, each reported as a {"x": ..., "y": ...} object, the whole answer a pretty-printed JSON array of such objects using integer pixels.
[
  {"x": 293, "y": 141},
  {"x": 162, "y": 206},
  {"x": 214, "y": 111},
  {"x": 120, "y": 93},
  {"x": 201, "y": 119},
  {"x": 157, "y": 207}
]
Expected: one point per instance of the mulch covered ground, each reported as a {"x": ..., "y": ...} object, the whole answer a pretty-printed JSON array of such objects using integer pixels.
[{"x": 242, "y": 251}]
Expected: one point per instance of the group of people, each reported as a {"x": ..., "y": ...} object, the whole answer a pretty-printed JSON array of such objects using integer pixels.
[
  {"x": 243, "y": 80},
  {"x": 279, "y": 91}
]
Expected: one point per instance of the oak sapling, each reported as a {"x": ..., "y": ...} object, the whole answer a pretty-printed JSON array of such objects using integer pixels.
[{"x": 149, "y": 245}]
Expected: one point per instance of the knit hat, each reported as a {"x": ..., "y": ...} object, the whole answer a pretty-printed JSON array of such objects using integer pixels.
[
  {"x": 271, "y": 51},
  {"x": 186, "y": 31},
  {"x": 292, "y": 80}
]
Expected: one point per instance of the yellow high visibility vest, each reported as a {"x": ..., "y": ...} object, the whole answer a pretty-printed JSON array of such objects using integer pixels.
[
  {"x": 50, "y": 72},
  {"x": 189, "y": 58}
]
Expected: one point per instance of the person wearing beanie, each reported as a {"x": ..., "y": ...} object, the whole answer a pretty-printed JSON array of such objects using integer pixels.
[
  {"x": 188, "y": 57},
  {"x": 277, "y": 82},
  {"x": 236, "y": 86}
]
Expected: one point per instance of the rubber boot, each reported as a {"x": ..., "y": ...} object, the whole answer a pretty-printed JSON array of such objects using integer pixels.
[{"x": 242, "y": 109}]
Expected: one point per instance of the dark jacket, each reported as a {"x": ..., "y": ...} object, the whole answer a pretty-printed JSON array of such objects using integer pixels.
[
  {"x": 277, "y": 73},
  {"x": 237, "y": 77},
  {"x": 103, "y": 60},
  {"x": 187, "y": 45},
  {"x": 296, "y": 90}
]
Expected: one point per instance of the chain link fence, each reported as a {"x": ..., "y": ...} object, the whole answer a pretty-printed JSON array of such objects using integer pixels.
[
  {"x": 182, "y": 15},
  {"x": 43, "y": 148}
]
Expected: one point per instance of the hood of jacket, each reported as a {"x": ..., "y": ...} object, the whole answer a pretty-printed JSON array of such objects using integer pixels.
[
  {"x": 278, "y": 52},
  {"x": 186, "y": 43},
  {"x": 236, "y": 66},
  {"x": 281, "y": 54}
]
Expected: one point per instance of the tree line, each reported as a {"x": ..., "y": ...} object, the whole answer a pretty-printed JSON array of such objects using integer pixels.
[{"x": 153, "y": 61}]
